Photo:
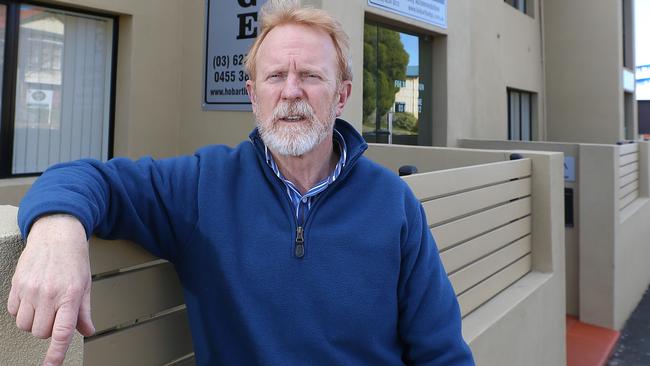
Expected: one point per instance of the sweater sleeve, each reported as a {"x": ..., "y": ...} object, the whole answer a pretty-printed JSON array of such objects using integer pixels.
[
  {"x": 151, "y": 202},
  {"x": 429, "y": 315}
]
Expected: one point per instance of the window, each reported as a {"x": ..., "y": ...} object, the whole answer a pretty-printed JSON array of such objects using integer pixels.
[
  {"x": 629, "y": 123},
  {"x": 520, "y": 115},
  {"x": 628, "y": 34},
  {"x": 57, "y": 91},
  {"x": 394, "y": 86},
  {"x": 524, "y": 6}
]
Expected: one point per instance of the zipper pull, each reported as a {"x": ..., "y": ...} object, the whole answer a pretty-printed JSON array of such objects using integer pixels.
[{"x": 299, "y": 250}]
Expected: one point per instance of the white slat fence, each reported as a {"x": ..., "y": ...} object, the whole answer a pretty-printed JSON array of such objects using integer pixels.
[
  {"x": 481, "y": 219},
  {"x": 628, "y": 162}
]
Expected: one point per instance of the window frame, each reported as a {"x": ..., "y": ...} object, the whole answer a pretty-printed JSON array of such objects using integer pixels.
[
  {"x": 523, "y": 6},
  {"x": 10, "y": 73},
  {"x": 425, "y": 135},
  {"x": 531, "y": 108}
]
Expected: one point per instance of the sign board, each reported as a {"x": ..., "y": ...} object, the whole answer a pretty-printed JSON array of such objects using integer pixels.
[
  {"x": 569, "y": 169},
  {"x": 429, "y": 11},
  {"x": 231, "y": 27}
]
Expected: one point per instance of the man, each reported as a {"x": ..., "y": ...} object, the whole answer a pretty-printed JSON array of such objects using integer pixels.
[{"x": 273, "y": 240}]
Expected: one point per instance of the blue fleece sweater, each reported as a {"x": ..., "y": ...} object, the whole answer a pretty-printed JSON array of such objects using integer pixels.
[{"x": 369, "y": 290}]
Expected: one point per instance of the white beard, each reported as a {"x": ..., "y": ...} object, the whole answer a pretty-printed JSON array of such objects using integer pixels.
[{"x": 295, "y": 139}]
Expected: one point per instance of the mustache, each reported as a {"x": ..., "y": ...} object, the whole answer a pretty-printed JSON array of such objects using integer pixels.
[{"x": 295, "y": 108}]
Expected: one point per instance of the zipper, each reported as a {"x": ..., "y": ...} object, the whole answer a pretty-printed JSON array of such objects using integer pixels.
[
  {"x": 299, "y": 248},
  {"x": 299, "y": 243}
]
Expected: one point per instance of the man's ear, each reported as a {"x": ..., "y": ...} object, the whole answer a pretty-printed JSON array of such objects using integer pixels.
[
  {"x": 345, "y": 89},
  {"x": 250, "y": 88}
]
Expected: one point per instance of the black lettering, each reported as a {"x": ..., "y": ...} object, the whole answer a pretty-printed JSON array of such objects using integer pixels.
[
  {"x": 246, "y": 4},
  {"x": 247, "y": 25}
]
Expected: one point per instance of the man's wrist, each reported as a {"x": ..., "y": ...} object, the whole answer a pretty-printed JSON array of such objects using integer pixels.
[{"x": 57, "y": 219}]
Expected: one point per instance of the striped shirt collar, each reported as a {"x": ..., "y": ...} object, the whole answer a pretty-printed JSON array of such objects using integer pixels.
[{"x": 293, "y": 192}]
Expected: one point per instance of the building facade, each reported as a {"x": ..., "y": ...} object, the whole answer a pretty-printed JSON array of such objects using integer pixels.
[{"x": 99, "y": 78}]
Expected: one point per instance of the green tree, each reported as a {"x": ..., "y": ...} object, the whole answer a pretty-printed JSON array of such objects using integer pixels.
[
  {"x": 405, "y": 121},
  {"x": 384, "y": 61}
]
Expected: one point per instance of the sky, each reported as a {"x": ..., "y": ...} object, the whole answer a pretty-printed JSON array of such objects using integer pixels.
[{"x": 411, "y": 46}]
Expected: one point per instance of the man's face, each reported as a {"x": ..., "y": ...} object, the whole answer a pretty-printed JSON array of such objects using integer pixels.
[{"x": 295, "y": 93}]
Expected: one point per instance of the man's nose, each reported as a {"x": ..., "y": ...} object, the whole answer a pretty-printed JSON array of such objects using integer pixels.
[{"x": 292, "y": 87}]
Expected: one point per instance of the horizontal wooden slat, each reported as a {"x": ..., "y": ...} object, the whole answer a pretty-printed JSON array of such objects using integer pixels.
[
  {"x": 624, "y": 191},
  {"x": 438, "y": 183},
  {"x": 628, "y": 149},
  {"x": 484, "y": 291},
  {"x": 450, "y": 207},
  {"x": 188, "y": 360},
  {"x": 156, "y": 342},
  {"x": 625, "y": 170},
  {"x": 623, "y": 181},
  {"x": 482, "y": 269},
  {"x": 109, "y": 255},
  {"x": 460, "y": 230},
  {"x": 125, "y": 297},
  {"x": 627, "y": 159},
  {"x": 628, "y": 199},
  {"x": 468, "y": 252}
]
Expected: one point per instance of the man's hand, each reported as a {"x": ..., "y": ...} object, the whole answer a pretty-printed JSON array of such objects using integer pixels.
[{"x": 50, "y": 292}]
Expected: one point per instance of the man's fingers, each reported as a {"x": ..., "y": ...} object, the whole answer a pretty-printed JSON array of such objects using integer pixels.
[
  {"x": 85, "y": 323},
  {"x": 43, "y": 320},
  {"x": 65, "y": 323},
  {"x": 13, "y": 302},
  {"x": 25, "y": 316}
]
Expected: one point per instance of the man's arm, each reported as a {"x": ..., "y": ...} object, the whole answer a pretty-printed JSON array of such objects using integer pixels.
[
  {"x": 150, "y": 202},
  {"x": 50, "y": 292},
  {"x": 430, "y": 322}
]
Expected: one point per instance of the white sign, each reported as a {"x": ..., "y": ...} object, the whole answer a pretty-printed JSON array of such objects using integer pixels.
[
  {"x": 231, "y": 27},
  {"x": 39, "y": 97},
  {"x": 429, "y": 11},
  {"x": 569, "y": 168}
]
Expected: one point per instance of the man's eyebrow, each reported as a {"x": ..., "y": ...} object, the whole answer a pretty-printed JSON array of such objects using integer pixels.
[{"x": 274, "y": 70}]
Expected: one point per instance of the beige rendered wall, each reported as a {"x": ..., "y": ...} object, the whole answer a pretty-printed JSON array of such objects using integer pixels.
[
  {"x": 631, "y": 271},
  {"x": 147, "y": 107},
  {"x": 532, "y": 330},
  {"x": 598, "y": 224},
  {"x": 489, "y": 46},
  {"x": 506, "y": 52},
  {"x": 583, "y": 54},
  {"x": 571, "y": 237},
  {"x": 535, "y": 305},
  {"x": 428, "y": 159}
]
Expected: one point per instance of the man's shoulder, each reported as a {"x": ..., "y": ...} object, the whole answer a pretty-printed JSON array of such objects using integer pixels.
[
  {"x": 388, "y": 182},
  {"x": 371, "y": 168},
  {"x": 244, "y": 150}
]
